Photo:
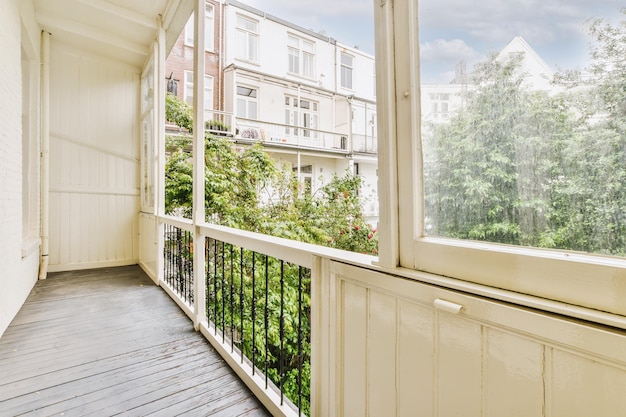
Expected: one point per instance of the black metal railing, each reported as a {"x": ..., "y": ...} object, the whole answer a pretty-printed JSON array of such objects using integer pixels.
[
  {"x": 260, "y": 306},
  {"x": 178, "y": 261}
]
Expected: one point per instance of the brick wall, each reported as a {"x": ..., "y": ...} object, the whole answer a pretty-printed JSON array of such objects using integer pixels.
[{"x": 180, "y": 60}]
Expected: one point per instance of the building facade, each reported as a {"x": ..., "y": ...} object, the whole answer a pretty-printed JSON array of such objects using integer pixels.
[{"x": 309, "y": 99}]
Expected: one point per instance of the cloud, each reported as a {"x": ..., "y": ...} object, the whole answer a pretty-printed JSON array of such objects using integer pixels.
[{"x": 444, "y": 50}]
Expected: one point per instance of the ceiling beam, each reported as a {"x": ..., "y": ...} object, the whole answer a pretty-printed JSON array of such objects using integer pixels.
[
  {"x": 122, "y": 13},
  {"x": 54, "y": 23}
]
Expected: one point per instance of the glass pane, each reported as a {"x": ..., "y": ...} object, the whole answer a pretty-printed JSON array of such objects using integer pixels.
[
  {"x": 252, "y": 110},
  {"x": 523, "y": 124},
  {"x": 241, "y": 108}
]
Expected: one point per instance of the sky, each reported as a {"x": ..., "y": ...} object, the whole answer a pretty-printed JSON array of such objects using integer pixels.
[{"x": 455, "y": 30}]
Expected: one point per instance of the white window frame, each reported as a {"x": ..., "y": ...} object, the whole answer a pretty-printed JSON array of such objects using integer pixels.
[
  {"x": 250, "y": 37},
  {"x": 306, "y": 118},
  {"x": 348, "y": 83},
  {"x": 188, "y": 89},
  {"x": 588, "y": 286},
  {"x": 209, "y": 29},
  {"x": 301, "y": 52},
  {"x": 247, "y": 100}
]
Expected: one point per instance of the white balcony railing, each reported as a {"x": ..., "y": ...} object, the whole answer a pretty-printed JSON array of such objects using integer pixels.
[
  {"x": 364, "y": 144},
  {"x": 278, "y": 134}
]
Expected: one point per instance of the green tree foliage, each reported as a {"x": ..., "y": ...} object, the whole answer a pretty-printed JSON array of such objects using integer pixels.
[{"x": 534, "y": 168}]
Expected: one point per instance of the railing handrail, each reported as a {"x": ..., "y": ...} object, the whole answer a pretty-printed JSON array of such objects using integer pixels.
[
  {"x": 300, "y": 253},
  {"x": 338, "y": 134}
]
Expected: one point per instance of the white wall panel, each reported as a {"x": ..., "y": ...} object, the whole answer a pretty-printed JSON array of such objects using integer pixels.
[
  {"x": 401, "y": 355},
  {"x": 94, "y": 160},
  {"x": 354, "y": 376}
]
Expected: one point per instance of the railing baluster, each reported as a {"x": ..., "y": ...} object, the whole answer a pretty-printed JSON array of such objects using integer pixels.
[
  {"x": 232, "y": 316},
  {"x": 299, "y": 340},
  {"x": 266, "y": 317},
  {"x": 282, "y": 332},
  {"x": 242, "y": 338},
  {"x": 253, "y": 312},
  {"x": 215, "y": 285},
  {"x": 223, "y": 284},
  {"x": 207, "y": 257}
]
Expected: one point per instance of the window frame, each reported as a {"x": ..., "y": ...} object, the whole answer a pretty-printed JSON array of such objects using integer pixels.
[
  {"x": 209, "y": 29},
  {"x": 208, "y": 89},
  {"x": 247, "y": 99},
  {"x": 305, "y": 60},
  {"x": 297, "y": 116},
  {"x": 350, "y": 69},
  {"x": 578, "y": 280},
  {"x": 249, "y": 35}
]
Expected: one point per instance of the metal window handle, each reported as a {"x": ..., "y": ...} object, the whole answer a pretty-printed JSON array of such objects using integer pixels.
[{"x": 448, "y": 306}]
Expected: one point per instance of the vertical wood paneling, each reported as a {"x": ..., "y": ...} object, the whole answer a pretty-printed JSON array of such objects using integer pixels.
[
  {"x": 513, "y": 372},
  {"x": 459, "y": 366},
  {"x": 381, "y": 354},
  {"x": 399, "y": 356},
  {"x": 582, "y": 387},
  {"x": 354, "y": 355},
  {"x": 415, "y": 360},
  {"x": 94, "y": 160}
]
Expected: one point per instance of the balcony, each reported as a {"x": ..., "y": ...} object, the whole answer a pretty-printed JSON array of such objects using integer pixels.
[{"x": 290, "y": 137}]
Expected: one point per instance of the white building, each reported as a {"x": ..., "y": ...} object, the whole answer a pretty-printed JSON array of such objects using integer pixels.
[{"x": 308, "y": 98}]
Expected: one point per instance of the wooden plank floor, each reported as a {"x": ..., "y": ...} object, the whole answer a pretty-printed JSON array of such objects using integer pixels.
[{"x": 107, "y": 342}]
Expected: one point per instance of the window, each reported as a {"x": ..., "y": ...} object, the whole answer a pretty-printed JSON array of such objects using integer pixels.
[
  {"x": 247, "y": 39},
  {"x": 247, "y": 102},
  {"x": 306, "y": 178},
  {"x": 208, "y": 90},
  {"x": 347, "y": 62},
  {"x": 301, "y": 56},
  {"x": 209, "y": 29},
  {"x": 508, "y": 193},
  {"x": 304, "y": 114}
]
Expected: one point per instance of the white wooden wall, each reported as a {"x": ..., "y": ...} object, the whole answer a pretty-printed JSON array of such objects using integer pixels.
[
  {"x": 387, "y": 350},
  {"x": 94, "y": 160}
]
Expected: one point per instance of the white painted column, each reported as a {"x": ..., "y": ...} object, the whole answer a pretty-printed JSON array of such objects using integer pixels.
[
  {"x": 198, "y": 164},
  {"x": 45, "y": 153},
  {"x": 160, "y": 142},
  {"x": 387, "y": 152}
]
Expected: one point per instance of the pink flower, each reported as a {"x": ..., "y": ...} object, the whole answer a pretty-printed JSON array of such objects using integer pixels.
[
  {"x": 371, "y": 235},
  {"x": 356, "y": 227}
]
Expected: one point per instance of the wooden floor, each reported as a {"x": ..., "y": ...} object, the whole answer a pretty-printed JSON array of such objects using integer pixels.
[{"x": 107, "y": 342}]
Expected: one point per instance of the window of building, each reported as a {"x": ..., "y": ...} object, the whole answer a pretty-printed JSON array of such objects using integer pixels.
[
  {"x": 208, "y": 90},
  {"x": 247, "y": 104},
  {"x": 306, "y": 178},
  {"x": 301, "y": 56},
  {"x": 247, "y": 39},
  {"x": 510, "y": 190},
  {"x": 304, "y": 114},
  {"x": 209, "y": 29},
  {"x": 347, "y": 64}
]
